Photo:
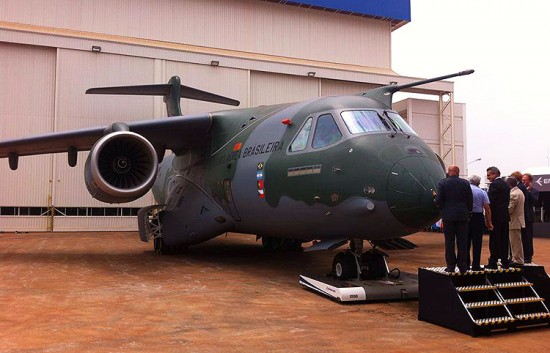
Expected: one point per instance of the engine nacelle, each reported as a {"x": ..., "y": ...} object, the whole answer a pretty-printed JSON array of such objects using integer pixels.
[{"x": 121, "y": 167}]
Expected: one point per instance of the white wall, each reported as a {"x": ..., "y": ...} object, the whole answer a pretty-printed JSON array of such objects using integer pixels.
[
  {"x": 245, "y": 25},
  {"x": 27, "y": 104}
]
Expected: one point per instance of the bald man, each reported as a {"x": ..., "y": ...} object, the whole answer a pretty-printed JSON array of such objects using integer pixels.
[{"x": 454, "y": 198}]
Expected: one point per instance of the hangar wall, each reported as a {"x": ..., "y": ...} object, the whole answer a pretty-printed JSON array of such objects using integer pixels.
[
  {"x": 231, "y": 25},
  {"x": 47, "y": 64}
]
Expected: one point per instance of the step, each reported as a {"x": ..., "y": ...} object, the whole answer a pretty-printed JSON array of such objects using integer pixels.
[
  {"x": 475, "y": 288},
  {"x": 494, "y": 320},
  {"x": 484, "y": 304},
  {"x": 470, "y": 272},
  {"x": 513, "y": 285},
  {"x": 532, "y": 316},
  {"x": 512, "y": 301}
]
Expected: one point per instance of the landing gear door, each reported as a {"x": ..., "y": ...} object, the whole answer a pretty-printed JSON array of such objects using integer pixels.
[{"x": 229, "y": 200}]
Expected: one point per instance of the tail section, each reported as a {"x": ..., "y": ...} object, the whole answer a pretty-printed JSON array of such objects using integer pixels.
[{"x": 171, "y": 91}]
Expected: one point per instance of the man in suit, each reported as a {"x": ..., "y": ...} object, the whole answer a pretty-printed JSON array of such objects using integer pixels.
[
  {"x": 517, "y": 220},
  {"x": 454, "y": 198},
  {"x": 499, "y": 198}
]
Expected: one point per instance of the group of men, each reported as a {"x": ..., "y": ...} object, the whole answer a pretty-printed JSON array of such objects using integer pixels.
[{"x": 506, "y": 211}]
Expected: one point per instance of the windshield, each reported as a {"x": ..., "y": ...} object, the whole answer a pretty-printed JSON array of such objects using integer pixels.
[
  {"x": 359, "y": 121},
  {"x": 400, "y": 123}
]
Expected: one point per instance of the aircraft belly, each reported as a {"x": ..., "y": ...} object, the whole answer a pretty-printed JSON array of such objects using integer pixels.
[{"x": 297, "y": 220}]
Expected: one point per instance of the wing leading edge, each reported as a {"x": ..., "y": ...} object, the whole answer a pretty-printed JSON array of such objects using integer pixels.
[{"x": 174, "y": 133}]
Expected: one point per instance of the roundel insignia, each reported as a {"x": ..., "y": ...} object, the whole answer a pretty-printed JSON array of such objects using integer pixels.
[{"x": 260, "y": 180}]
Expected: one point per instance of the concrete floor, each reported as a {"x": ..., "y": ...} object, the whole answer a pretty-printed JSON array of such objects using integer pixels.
[{"x": 109, "y": 292}]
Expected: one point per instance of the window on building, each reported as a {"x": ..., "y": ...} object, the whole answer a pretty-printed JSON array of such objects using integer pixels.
[
  {"x": 326, "y": 132},
  {"x": 69, "y": 211},
  {"x": 359, "y": 121}
]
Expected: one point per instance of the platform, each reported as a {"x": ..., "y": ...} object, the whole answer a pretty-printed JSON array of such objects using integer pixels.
[
  {"x": 482, "y": 302},
  {"x": 405, "y": 287}
]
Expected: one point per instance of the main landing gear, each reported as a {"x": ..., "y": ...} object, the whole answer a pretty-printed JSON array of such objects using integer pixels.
[
  {"x": 353, "y": 263},
  {"x": 285, "y": 244},
  {"x": 150, "y": 226}
]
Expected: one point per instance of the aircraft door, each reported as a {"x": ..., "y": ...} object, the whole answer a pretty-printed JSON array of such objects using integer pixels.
[{"x": 228, "y": 195}]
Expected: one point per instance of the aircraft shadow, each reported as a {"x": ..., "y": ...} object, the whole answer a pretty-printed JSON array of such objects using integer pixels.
[{"x": 250, "y": 258}]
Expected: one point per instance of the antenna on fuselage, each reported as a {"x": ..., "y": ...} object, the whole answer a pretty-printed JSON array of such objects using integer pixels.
[
  {"x": 384, "y": 94},
  {"x": 171, "y": 91}
]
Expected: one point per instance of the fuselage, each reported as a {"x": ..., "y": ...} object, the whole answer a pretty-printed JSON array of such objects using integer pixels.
[{"x": 333, "y": 167}]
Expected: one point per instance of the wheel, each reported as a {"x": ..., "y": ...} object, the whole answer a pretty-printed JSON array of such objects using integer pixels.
[
  {"x": 344, "y": 266},
  {"x": 287, "y": 244},
  {"x": 374, "y": 265},
  {"x": 161, "y": 248},
  {"x": 284, "y": 244},
  {"x": 270, "y": 243},
  {"x": 157, "y": 245}
]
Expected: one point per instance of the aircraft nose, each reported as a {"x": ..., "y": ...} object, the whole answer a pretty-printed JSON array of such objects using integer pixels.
[{"x": 412, "y": 183}]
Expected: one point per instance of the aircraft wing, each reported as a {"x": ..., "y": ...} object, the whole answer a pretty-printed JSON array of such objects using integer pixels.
[{"x": 174, "y": 133}]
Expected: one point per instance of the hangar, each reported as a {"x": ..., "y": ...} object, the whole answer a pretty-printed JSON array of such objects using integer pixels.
[{"x": 256, "y": 51}]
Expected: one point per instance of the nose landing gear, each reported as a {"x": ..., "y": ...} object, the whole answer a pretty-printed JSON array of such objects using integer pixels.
[
  {"x": 359, "y": 276},
  {"x": 356, "y": 264}
]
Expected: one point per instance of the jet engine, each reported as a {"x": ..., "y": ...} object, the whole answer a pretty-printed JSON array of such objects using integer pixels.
[{"x": 121, "y": 167}]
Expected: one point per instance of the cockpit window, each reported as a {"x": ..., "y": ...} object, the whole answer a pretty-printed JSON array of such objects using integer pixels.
[
  {"x": 300, "y": 141},
  {"x": 359, "y": 121},
  {"x": 326, "y": 132},
  {"x": 400, "y": 123}
]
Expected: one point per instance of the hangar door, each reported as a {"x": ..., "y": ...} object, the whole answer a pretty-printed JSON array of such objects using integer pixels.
[{"x": 27, "y": 101}]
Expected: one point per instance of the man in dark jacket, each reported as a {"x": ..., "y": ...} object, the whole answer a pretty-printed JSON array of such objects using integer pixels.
[
  {"x": 527, "y": 232},
  {"x": 454, "y": 198},
  {"x": 499, "y": 198}
]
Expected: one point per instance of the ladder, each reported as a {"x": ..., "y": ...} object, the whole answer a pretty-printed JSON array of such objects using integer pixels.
[{"x": 481, "y": 302}]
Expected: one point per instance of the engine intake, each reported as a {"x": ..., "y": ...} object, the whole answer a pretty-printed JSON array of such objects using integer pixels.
[{"x": 121, "y": 167}]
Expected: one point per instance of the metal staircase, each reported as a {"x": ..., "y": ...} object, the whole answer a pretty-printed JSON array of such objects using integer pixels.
[{"x": 481, "y": 302}]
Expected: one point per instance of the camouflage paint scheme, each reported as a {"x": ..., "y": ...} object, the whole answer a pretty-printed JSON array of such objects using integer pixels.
[{"x": 333, "y": 202}]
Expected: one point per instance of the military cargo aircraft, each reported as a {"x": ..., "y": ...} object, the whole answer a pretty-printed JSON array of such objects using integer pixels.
[{"x": 330, "y": 169}]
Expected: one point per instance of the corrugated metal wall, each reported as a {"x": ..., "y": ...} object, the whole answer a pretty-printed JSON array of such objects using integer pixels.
[
  {"x": 269, "y": 88},
  {"x": 224, "y": 81},
  {"x": 245, "y": 25},
  {"x": 27, "y": 91},
  {"x": 78, "y": 71},
  {"x": 342, "y": 88}
]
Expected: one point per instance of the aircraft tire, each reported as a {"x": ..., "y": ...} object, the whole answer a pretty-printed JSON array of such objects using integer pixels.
[
  {"x": 344, "y": 266},
  {"x": 270, "y": 243},
  {"x": 161, "y": 248},
  {"x": 281, "y": 244},
  {"x": 157, "y": 245}
]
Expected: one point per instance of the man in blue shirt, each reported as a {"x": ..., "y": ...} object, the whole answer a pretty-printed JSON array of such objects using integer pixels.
[{"x": 477, "y": 221}]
